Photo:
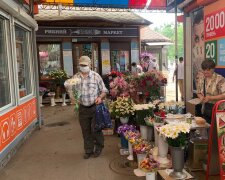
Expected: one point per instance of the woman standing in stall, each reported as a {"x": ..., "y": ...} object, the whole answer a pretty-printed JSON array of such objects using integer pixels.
[{"x": 210, "y": 88}]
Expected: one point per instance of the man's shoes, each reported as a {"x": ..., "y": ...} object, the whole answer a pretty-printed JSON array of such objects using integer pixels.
[
  {"x": 97, "y": 152},
  {"x": 87, "y": 155}
]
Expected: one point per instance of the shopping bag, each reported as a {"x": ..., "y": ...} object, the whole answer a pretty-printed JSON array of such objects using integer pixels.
[{"x": 103, "y": 119}]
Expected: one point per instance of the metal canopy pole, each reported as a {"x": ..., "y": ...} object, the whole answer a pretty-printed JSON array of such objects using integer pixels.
[{"x": 176, "y": 50}]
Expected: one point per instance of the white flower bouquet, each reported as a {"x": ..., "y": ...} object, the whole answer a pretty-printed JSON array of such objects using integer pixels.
[
  {"x": 73, "y": 87},
  {"x": 171, "y": 106},
  {"x": 175, "y": 134}
]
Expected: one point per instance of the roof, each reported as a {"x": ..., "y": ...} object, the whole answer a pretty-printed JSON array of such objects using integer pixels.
[
  {"x": 148, "y": 36},
  {"x": 128, "y": 4},
  {"x": 129, "y": 18}
]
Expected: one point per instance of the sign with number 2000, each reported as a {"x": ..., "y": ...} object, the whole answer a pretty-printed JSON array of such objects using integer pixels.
[{"x": 215, "y": 24}]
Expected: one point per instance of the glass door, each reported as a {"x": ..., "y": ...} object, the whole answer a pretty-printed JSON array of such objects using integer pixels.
[
  {"x": 85, "y": 49},
  {"x": 119, "y": 60}
]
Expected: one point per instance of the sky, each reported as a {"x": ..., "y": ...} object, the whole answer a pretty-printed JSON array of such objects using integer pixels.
[{"x": 158, "y": 19}]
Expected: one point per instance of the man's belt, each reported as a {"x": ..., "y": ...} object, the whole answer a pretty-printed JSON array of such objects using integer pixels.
[{"x": 81, "y": 105}]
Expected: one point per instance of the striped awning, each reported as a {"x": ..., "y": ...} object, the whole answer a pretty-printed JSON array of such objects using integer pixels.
[{"x": 129, "y": 4}]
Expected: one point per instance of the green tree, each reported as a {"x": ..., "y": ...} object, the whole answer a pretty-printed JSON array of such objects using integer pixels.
[{"x": 168, "y": 30}]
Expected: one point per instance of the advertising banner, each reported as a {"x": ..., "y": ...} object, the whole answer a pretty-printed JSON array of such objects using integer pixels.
[
  {"x": 220, "y": 121},
  {"x": 215, "y": 24},
  {"x": 15, "y": 121}
]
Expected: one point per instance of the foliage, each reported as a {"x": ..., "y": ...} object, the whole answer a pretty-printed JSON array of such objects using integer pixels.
[
  {"x": 168, "y": 31},
  {"x": 58, "y": 75},
  {"x": 142, "y": 114},
  {"x": 175, "y": 134},
  {"x": 122, "y": 107}
]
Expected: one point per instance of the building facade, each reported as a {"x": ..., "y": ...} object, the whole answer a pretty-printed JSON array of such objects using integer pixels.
[
  {"x": 110, "y": 39},
  {"x": 18, "y": 103}
]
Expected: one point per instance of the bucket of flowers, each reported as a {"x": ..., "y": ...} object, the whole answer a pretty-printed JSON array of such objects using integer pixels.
[
  {"x": 148, "y": 164},
  {"x": 123, "y": 108},
  {"x": 176, "y": 135}
]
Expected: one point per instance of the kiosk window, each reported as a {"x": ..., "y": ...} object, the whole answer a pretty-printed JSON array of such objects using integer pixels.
[
  {"x": 49, "y": 56},
  {"x": 4, "y": 69},
  {"x": 23, "y": 64}
]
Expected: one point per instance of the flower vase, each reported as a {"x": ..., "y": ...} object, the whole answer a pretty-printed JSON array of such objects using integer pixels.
[
  {"x": 150, "y": 175},
  {"x": 140, "y": 157},
  {"x": 41, "y": 100},
  {"x": 124, "y": 120},
  {"x": 53, "y": 101},
  {"x": 162, "y": 150},
  {"x": 144, "y": 131},
  {"x": 156, "y": 134},
  {"x": 150, "y": 133},
  {"x": 57, "y": 92},
  {"x": 130, "y": 157},
  {"x": 177, "y": 154},
  {"x": 124, "y": 142},
  {"x": 64, "y": 99}
]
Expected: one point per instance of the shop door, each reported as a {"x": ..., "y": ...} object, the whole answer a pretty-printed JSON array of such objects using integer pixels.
[
  {"x": 120, "y": 56},
  {"x": 86, "y": 49}
]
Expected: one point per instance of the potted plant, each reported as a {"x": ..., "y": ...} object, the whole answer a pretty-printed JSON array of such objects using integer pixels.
[
  {"x": 177, "y": 137},
  {"x": 59, "y": 76}
]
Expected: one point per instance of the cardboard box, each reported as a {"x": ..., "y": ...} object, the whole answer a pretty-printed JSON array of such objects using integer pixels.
[{"x": 193, "y": 106}]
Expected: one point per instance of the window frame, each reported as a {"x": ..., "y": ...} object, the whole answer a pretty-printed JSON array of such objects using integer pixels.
[
  {"x": 6, "y": 30},
  {"x": 28, "y": 30}
]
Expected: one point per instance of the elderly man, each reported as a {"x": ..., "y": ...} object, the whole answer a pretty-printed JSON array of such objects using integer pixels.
[{"x": 93, "y": 91}]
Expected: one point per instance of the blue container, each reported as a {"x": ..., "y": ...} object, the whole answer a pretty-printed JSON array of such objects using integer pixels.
[{"x": 124, "y": 142}]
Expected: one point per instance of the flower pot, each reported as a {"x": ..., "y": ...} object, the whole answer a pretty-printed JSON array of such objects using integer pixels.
[
  {"x": 140, "y": 157},
  {"x": 53, "y": 101},
  {"x": 177, "y": 155},
  {"x": 124, "y": 142},
  {"x": 162, "y": 150},
  {"x": 64, "y": 99},
  {"x": 124, "y": 120},
  {"x": 150, "y": 132},
  {"x": 156, "y": 134},
  {"x": 162, "y": 147},
  {"x": 150, "y": 176},
  {"x": 40, "y": 100},
  {"x": 144, "y": 131},
  {"x": 130, "y": 157}
]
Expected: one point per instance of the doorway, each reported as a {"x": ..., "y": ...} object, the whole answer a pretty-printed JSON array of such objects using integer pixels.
[{"x": 86, "y": 49}]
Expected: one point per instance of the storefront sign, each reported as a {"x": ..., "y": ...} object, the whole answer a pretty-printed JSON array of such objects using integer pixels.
[
  {"x": 215, "y": 24},
  {"x": 86, "y": 32},
  {"x": 211, "y": 50},
  {"x": 15, "y": 121},
  {"x": 220, "y": 121}
]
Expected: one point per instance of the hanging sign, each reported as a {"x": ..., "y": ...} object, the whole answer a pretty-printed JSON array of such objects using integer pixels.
[
  {"x": 86, "y": 32},
  {"x": 215, "y": 24}
]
